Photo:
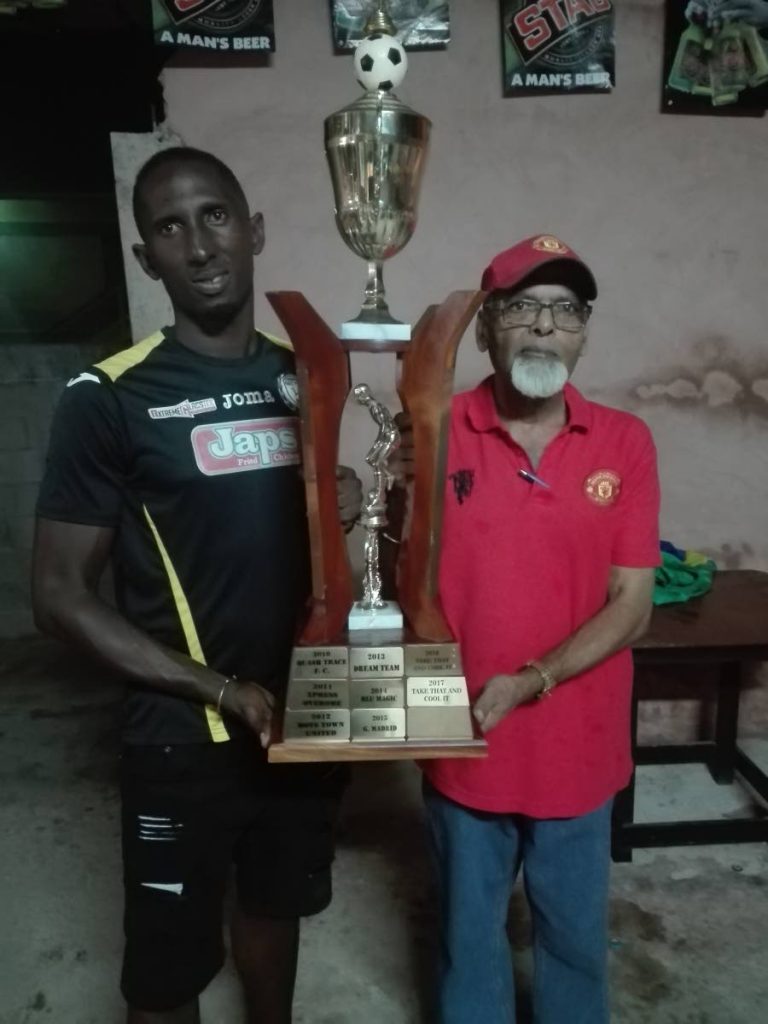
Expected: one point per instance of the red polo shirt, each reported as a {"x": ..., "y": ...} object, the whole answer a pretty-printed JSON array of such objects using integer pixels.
[{"x": 523, "y": 566}]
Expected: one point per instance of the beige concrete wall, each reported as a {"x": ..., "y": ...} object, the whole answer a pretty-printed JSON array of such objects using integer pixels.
[{"x": 669, "y": 210}]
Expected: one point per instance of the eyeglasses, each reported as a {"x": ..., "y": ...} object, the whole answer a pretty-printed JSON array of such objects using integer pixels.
[{"x": 566, "y": 315}]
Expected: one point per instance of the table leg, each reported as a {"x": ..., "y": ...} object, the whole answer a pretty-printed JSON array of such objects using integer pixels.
[
  {"x": 723, "y": 759},
  {"x": 624, "y": 802},
  {"x": 623, "y": 813}
]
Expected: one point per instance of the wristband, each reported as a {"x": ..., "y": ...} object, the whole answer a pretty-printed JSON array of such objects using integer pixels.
[
  {"x": 548, "y": 681},
  {"x": 224, "y": 685}
]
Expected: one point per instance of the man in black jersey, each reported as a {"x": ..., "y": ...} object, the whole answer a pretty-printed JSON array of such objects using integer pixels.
[{"x": 179, "y": 459}]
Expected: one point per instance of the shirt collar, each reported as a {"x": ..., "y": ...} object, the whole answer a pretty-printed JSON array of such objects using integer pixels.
[
  {"x": 579, "y": 411},
  {"x": 482, "y": 415}
]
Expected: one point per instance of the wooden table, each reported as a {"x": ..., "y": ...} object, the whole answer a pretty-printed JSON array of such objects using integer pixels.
[{"x": 726, "y": 627}]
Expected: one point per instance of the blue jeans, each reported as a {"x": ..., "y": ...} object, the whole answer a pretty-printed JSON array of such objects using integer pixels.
[{"x": 565, "y": 870}]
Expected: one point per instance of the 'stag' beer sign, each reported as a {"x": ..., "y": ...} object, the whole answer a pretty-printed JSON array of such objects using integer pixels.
[
  {"x": 553, "y": 46},
  {"x": 222, "y": 25}
]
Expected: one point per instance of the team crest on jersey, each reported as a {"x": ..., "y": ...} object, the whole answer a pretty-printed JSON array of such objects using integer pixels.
[
  {"x": 603, "y": 486},
  {"x": 183, "y": 410},
  {"x": 244, "y": 445},
  {"x": 288, "y": 389}
]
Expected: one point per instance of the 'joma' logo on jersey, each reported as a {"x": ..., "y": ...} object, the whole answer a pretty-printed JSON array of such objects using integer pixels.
[
  {"x": 250, "y": 444},
  {"x": 239, "y": 398}
]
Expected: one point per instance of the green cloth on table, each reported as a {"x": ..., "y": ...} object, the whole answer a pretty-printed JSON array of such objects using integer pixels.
[{"x": 679, "y": 579}]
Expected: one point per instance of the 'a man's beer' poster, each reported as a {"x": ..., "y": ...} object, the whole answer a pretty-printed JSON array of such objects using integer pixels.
[
  {"x": 420, "y": 24},
  {"x": 557, "y": 46},
  {"x": 221, "y": 26}
]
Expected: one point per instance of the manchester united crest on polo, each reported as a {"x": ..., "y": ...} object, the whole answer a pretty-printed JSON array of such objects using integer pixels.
[{"x": 603, "y": 486}]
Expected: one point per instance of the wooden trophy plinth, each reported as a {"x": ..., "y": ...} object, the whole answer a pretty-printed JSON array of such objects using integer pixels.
[{"x": 381, "y": 694}]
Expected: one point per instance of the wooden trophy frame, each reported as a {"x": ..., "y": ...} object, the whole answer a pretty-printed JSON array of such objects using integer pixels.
[{"x": 425, "y": 371}]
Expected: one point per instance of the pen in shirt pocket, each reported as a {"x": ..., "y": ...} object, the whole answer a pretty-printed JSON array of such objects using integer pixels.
[{"x": 531, "y": 477}]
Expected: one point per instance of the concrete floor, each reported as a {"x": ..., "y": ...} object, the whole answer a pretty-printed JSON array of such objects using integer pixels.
[{"x": 689, "y": 926}]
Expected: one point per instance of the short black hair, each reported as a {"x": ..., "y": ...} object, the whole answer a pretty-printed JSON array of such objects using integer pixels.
[{"x": 182, "y": 155}]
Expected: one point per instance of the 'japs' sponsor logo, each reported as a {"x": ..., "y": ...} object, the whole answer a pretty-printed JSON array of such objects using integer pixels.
[
  {"x": 244, "y": 445},
  {"x": 541, "y": 25}
]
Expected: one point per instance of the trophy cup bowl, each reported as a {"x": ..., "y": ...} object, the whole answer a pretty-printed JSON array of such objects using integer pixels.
[{"x": 376, "y": 149}]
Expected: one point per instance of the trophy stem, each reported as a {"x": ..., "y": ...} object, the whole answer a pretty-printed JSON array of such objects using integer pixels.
[
  {"x": 374, "y": 321},
  {"x": 375, "y": 309}
]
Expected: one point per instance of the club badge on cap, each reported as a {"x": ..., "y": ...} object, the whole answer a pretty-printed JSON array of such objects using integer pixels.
[{"x": 548, "y": 243}]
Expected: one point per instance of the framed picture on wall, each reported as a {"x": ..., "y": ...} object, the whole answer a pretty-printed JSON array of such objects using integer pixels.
[
  {"x": 421, "y": 24},
  {"x": 216, "y": 26},
  {"x": 566, "y": 46},
  {"x": 716, "y": 57}
]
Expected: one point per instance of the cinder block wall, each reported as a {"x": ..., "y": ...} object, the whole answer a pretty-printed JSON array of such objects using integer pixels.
[{"x": 32, "y": 377}]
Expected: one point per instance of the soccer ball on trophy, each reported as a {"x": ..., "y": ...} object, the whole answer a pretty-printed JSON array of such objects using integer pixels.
[{"x": 380, "y": 63}]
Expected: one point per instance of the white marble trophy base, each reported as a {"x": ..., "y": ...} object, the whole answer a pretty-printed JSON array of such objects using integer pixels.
[
  {"x": 388, "y": 617},
  {"x": 356, "y": 329}
]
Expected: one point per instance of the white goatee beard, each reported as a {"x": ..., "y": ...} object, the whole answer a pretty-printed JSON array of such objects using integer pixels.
[{"x": 538, "y": 376}]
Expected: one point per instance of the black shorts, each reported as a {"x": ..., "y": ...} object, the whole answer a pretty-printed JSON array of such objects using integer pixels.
[{"x": 193, "y": 812}]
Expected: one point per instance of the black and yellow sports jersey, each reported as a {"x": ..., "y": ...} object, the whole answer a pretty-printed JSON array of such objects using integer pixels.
[{"x": 194, "y": 461}]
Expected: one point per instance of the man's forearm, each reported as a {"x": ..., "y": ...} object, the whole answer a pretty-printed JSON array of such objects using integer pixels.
[
  {"x": 614, "y": 627},
  {"x": 622, "y": 620},
  {"x": 87, "y": 621}
]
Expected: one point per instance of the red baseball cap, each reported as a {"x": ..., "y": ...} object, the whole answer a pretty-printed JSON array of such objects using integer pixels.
[{"x": 513, "y": 266}]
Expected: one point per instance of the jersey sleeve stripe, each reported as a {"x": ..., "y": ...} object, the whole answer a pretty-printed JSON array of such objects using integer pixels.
[
  {"x": 115, "y": 366},
  {"x": 216, "y": 726}
]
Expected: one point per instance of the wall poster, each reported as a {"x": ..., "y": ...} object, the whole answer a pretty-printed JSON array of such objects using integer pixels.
[
  {"x": 557, "y": 46},
  {"x": 235, "y": 26},
  {"x": 716, "y": 57},
  {"x": 421, "y": 24}
]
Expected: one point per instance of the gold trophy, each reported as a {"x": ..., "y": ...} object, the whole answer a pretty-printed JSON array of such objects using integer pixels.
[
  {"x": 376, "y": 149},
  {"x": 376, "y": 677}
]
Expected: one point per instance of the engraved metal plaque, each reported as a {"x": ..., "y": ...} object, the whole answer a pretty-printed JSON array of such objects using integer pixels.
[
  {"x": 313, "y": 662},
  {"x": 443, "y": 723},
  {"x": 372, "y": 662},
  {"x": 376, "y": 637},
  {"x": 378, "y": 724},
  {"x": 436, "y": 691},
  {"x": 432, "y": 660},
  {"x": 316, "y": 726},
  {"x": 377, "y": 693},
  {"x": 304, "y": 694}
]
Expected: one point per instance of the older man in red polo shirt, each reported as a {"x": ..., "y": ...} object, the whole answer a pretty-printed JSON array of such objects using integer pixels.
[{"x": 550, "y": 538}]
